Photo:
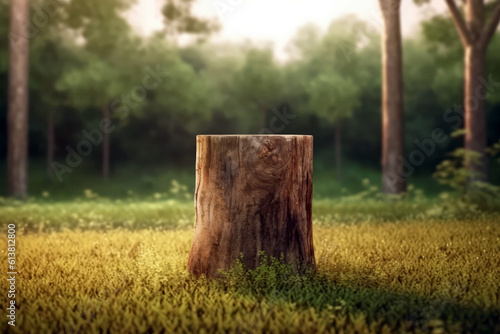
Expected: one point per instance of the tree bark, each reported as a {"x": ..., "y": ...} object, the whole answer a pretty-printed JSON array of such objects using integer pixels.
[
  {"x": 474, "y": 112},
  {"x": 475, "y": 36},
  {"x": 393, "y": 178},
  {"x": 338, "y": 151},
  {"x": 17, "y": 115},
  {"x": 105, "y": 145},
  {"x": 253, "y": 193},
  {"x": 50, "y": 141}
]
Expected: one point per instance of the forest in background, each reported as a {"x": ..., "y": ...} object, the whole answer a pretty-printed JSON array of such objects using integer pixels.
[
  {"x": 105, "y": 225},
  {"x": 87, "y": 64}
]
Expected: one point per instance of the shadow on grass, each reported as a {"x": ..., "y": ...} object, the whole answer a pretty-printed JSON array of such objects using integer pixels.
[{"x": 401, "y": 311}]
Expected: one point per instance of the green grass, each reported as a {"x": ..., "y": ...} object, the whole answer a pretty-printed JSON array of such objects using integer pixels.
[
  {"x": 125, "y": 183},
  {"x": 98, "y": 265},
  {"x": 139, "y": 182}
]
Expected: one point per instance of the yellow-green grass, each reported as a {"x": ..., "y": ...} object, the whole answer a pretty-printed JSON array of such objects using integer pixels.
[{"x": 414, "y": 275}]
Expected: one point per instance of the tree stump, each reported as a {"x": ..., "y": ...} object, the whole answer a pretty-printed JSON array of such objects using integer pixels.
[{"x": 253, "y": 193}]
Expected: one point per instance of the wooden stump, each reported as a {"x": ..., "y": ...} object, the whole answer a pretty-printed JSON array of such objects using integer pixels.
[{"x": 253, "y": 193}]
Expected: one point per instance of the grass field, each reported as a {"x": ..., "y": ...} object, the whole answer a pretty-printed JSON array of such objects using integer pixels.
[{"x": 98, "y": 265}]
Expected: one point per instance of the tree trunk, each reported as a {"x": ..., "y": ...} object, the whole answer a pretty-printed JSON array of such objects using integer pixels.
[
  {"x": 474, "y": 112},
  {"x": 475, "y": 36},
  {"x": 338, "y": 151},
  {"x": 393, "y": 178},
  {"x": 105, "y": 145},
  {"x": 253, "y": 193},
  {"x": 17, "y": 115},
  {"x": 50, "y": 141}
]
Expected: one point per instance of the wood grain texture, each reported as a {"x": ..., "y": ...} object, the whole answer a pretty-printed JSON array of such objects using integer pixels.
[{"x": 253, "y": 193}]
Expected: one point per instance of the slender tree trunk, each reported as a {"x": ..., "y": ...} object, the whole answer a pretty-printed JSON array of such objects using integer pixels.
[
  {"x": 393, "y": 178},
  {"x": 253, "y": 194},
  {"x": 338, "y": 151},
  {"x": 17, "y": 115},
  {"x": 50, "y": 141},
  {"x": 105, "y": 145},
  {"x": 474, "y": 111},
  {"x": 475, "y": 35}
]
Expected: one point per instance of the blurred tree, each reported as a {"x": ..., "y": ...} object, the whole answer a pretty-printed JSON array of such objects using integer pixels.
[
  {"x": 17, "y": 128},
  {"x": 329, "y": 75},
  {"x": 475, "y": 35},
  {"x": 108, "y": 43},
  {"x": 211, "y": 88},
  {"x": 302, "y": 49},
  {"x": 393, "y": 182},
  {"x": 53, "y": 52},
  {"x": 94, "y": 85},
  {"x": 116, "y": 56},
  {"x": 305, "y": 43},
  {"x": 186, "y": 95},
  {"x": 179, "y": 19},
  {"x": 445, "y": 50},
  {"x": 258, "y": 86},
  {"x": 218, "y": 65},
  {"x": 421, "y": 103},
  {"x": 333, "y": 98}
]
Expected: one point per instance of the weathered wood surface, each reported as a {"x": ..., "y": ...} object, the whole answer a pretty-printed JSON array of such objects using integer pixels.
[{"x": 253, "y": 193}]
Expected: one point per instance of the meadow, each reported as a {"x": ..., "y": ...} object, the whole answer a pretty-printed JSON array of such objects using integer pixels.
[{"x": 102, "y": 265}]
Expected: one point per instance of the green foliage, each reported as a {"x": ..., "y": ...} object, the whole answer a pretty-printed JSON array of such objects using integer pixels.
[
  {"x": 453, "y": 171},
  {"x": 100, "y": 24},
  {"x": 179, "y": 19},
  {"x": 333, "y": 97},
  {"x": 88, "y": 55},
  {"x": 494, "y": 150},
  {"x": 444, "y": 42},
  {"x": 94, "y": 84},
  {"x": 272, "y": 276},
  {"x": 329, "y": 69},
  {"x": 258, "y": 86}
]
